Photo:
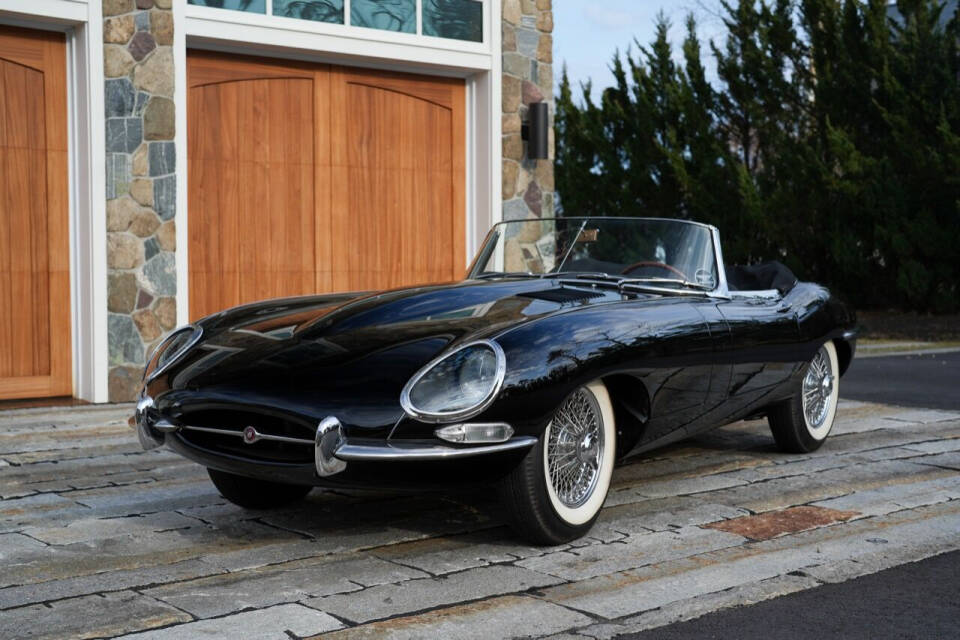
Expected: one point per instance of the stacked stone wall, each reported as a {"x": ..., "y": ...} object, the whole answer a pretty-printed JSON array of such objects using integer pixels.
[
  {"x": 528, "y": 189},
  {"x": 141, "y": 184},
  {"x": 141, "y": 163}
]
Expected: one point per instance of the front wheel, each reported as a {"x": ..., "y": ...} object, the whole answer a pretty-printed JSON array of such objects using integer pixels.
[
  {"x": 801, "y": 424},
  {"x": 555, "y": 494},
  {"x": 253, "y": 493}
]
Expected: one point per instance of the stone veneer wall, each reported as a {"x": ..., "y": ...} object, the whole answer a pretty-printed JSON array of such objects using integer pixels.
[
  {"x": 141, "y": 185},
  {"x": 527, "y": 77}
]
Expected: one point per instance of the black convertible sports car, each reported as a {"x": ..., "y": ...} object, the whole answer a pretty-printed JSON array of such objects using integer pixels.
[{"x": 571, "y": 344}]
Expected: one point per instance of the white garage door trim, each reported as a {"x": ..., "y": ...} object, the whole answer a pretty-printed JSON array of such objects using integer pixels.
[
  {"x": 82, "y": 22},
  {"x": 255, "y": 34}
]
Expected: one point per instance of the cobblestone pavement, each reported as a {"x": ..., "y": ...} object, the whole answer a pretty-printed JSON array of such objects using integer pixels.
[{"x": 100, "y": 539}]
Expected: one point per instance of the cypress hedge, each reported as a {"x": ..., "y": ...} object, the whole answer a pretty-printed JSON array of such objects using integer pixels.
[{"x": 830, "y": 140}]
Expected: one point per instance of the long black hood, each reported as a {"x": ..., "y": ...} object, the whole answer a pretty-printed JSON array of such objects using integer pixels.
[{"x": 351, "y": 354}]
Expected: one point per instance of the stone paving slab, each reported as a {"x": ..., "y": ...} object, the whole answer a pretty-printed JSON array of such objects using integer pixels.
[
  {"x": 439, "y": 556},
  {"x": 133, "y": 553},
  {"x": 104, "y": 582},
  {"x": 14, "y": 544},
  {"x": 884, "y": 500},
  {"x": 937, "y": 446},
  {"x": 90, "y": 529},
  {"x": 630, "y": 553},
  {"x": 492, "y": 618},
  {"x": 273, "y": 623},
  {"x": 289, "y": 582},
  {"x": 99, "y": 538},
  {"x": 416, "y": 595},
  {"x": 94, "y": 616},
  {"x": 948, "y": 460}
]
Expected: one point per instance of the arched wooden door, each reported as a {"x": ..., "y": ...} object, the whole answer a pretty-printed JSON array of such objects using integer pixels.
[
  {"x": 35, "y": 344},
  {"x": 311, "y": 178}
]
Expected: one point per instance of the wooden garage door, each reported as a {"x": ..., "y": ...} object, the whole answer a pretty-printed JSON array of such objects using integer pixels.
[
  {"x": 34, "y": 250},
  {"x": 313, "y": 178}
]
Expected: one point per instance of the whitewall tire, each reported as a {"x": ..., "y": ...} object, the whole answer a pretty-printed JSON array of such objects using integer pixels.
[
  {"x": 803, "y": 423},
  {"x": 557, "y": 491}
]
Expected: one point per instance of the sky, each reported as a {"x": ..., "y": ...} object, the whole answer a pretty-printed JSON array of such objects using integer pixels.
[{"x": 587, "y": 32}]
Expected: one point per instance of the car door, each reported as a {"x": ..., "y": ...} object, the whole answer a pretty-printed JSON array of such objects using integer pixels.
[
  {"x": 761, "y": 350},
  {"x": 677, "y": 368}
]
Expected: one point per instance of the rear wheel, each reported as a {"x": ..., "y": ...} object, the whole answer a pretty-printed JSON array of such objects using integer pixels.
[
  {"x": 801, "y": 424},
  {"x": 253, "y": 493},
  {"x": 555, "y": 494}
]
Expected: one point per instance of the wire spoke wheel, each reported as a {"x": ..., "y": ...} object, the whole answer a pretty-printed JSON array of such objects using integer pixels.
[
  {"x": 817, "y": 393},
  {"x": 802, "y": 423},
  {"x": 575, "y": 448},
  {"x": 555, "y": 494}
]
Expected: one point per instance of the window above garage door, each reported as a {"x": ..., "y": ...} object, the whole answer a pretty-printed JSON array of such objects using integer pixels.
[
  {"x": 462, "y": 26},
  {"x": 455, "y": 19}
]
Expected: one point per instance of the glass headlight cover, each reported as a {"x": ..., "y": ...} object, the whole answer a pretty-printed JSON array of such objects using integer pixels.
[
  {"x": 457, "y": 385},
  {"x": 171, "y": 349}
]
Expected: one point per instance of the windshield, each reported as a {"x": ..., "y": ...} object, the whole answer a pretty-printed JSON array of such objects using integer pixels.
[{"x": 646, "y": 249}]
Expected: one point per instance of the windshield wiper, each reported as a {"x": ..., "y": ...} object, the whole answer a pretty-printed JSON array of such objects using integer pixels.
[
  {"x": 658, "y": 285},
  {"x": 507, "y": 274},
  {"x": 600, "y": 278},
  {"x": 684, "y": 283},
  {"x": 589, "y": 275},
  {"x": 546, "y": 276}
]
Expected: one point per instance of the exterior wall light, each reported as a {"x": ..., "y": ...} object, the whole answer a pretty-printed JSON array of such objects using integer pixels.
[{"x": 536, "y": 131}]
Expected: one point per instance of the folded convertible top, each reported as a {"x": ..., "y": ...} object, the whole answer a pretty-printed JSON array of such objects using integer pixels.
[{"x": 758, "y": 277}]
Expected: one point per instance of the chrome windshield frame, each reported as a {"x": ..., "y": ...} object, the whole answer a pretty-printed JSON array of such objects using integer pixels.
[{"x": 721, "y": 290}]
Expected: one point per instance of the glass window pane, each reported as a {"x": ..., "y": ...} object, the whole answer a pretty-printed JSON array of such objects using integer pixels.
[
  {"x": 458, "y": 19},
  {"x": 391, "y": 15},
  {"x": 253, "y": 6},
  {"x": 319, "y": 10}
]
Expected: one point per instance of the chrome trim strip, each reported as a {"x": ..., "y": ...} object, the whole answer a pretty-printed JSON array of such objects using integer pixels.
[
  {"x": 190, "y": 344},
  {"x": 465, "y": 414},
  {"x": 417, "y": 451},
  {"x": 239, "y": 434},
  {"x": 332, "y": 450},
  {"x": 164, "y": 426}
]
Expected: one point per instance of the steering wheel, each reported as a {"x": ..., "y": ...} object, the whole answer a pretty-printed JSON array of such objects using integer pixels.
[{"x": 651, "y": 263}]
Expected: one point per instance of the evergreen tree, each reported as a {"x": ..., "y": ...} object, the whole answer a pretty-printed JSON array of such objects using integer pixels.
[{"x": 831, "y": 141}]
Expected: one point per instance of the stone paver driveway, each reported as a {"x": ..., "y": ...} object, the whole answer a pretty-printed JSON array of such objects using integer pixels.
[{"x": 100, "y": 539}]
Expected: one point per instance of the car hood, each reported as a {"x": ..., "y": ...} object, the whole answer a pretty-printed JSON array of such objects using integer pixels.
[{"x": 351, "y": 354}]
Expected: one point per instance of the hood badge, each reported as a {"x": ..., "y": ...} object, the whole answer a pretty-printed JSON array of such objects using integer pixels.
[{"x": 250, "y": 435}]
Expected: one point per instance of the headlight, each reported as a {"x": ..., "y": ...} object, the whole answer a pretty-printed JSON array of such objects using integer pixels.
[
  {"x": 457, "y": 385},
  {"x": 171, "y": 349}
]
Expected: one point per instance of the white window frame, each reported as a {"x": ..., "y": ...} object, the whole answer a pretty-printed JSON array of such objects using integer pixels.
[
  {"x": 258, "y": 34},
  {"x": 347, "y": 30},
  {"x": 82, "y": 22}
]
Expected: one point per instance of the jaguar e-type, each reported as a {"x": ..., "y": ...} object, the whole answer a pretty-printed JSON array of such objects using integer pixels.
[{"x": 571, "y": 344}]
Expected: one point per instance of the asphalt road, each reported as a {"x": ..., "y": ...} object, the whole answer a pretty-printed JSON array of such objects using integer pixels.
[
  {"x": 929, "y": 380},
  {"x": 918, "y": 600}
]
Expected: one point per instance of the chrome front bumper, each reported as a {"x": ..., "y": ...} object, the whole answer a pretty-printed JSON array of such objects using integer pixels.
[{"x": 331, "y": 448}]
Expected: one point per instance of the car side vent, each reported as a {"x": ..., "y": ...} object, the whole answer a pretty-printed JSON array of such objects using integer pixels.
[{"x": 563, "y": 294}]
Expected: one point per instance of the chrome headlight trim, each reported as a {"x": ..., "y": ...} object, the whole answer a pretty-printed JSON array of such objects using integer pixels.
[
  {"x": 197, "y": 333},
  {"x": 463, "y": 414}
]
